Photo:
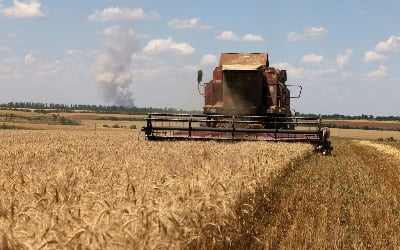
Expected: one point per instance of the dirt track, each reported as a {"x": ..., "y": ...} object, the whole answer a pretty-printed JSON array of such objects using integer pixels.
[{"x": 349, "y": 200}]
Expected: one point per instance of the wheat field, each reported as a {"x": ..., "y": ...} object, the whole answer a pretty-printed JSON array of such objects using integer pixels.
[{"x": 109, "y": 190}]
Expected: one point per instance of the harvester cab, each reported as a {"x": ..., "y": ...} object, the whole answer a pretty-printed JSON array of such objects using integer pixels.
[{"x": 245, "y": 100}]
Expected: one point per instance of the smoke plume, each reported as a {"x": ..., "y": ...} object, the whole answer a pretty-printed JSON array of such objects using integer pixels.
[{"x": 112, "y": 71}]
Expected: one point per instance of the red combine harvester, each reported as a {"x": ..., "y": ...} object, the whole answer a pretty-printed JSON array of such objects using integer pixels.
[{"x": 245, "y": 100}]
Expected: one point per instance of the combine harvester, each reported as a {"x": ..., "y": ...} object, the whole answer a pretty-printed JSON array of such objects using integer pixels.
[{"x": 245, "y": 100}]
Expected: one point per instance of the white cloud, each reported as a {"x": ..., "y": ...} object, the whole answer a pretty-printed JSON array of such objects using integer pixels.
[
  {"x": 390, "y": 45},
  {"x": 19, "y": 9},
  {"x": 116, "y": 30},
  {"x": 168, "y": 45},
  {"x": 116, "y": 13},
  {"x": 345, "y": 75},
  {"x": 31, "y": 69},
  {"x": 316, "y": 68},
  {"x": 193, "y": 23},
  {"x": 209, "y": 59},
  {"x": 381, "y": 72},
  {"x": 4, "y": 68},
  {"x": 371, "y": 56},
  {"x": 311, "y": 75},
  {"x": 190, "y": 68},
  {"x": 231, "y": 36},
  {"x": 294, "y": 37},
  {"x": 343, "y": 59},
  {"x": 253, "y": 38},
  {"x": 48, "y": 69},
  {"x": 312, "y": 58},
  {"x": 308, "y": 34},
  {"x": 325, "y": 71},
  {"x": 140, "y": 58},
  {"x": 5, "y": 49},
  {"x": 227, "y": 35},
  {"x": 111, "y": 31},
  {"x": 7, "y": 67},
  {"x": 293, "y": 72},
  {"x": 73, "y": 52},
  {"x": 29, "y": 59}
]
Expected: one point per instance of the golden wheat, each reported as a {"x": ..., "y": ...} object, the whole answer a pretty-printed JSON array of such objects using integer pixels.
[
  {"x": 106, "y": 189},
  {"x": 386, "y": 149},
  {"x": 364, "y": 134}
]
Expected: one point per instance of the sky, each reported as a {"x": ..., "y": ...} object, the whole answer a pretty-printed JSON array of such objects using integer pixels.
[{"x": 345, "y": 54}]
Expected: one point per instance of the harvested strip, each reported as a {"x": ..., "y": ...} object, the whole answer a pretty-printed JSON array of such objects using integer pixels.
[
  {"x": 386, "y": 149},
  {"x": 345, "y": 201}
]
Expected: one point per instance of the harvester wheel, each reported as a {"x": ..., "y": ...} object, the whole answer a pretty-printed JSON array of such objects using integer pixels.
[{"x": 327, "y": 148}]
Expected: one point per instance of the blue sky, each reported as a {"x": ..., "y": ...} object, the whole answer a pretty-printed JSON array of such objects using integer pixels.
[{"x": 147, "y": 53}]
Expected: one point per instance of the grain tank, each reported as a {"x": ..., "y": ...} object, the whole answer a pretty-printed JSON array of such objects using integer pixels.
[{"x": 245, "y": 84}]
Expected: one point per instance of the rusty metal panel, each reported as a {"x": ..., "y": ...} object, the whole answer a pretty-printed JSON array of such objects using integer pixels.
[
  {"x": 252, "y": 59},
  {"x": 217, "y": 93},
  {"x": 217, "y": 74},
  {"x": 272, "y": 90},
  {"x": 208, "y": 94},
  {"x": 213, "y": 93}
]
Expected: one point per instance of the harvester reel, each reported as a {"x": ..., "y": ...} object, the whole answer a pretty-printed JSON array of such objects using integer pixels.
[{"x": 238, "y": 128}]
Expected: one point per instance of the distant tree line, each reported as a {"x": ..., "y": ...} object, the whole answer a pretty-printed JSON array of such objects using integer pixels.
[
  {"x": 52, "y": 107},
  {"x": 55, "y": 107},
  {"x": 365, "y": 127},
  {"x": 350, "y": 117}
]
